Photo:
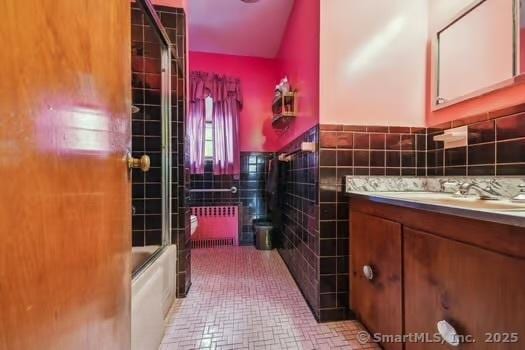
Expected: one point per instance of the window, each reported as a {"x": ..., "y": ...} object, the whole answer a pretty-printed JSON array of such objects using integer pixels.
[{"x": 208, "y": 128}]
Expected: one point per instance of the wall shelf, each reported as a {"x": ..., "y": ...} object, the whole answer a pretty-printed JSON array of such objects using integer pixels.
[
  {"x": 281, "y": 121},
  {"x": 284, "y": 109}
]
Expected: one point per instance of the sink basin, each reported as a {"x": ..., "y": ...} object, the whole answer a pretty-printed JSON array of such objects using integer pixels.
[{"x": 459, "y": 202}]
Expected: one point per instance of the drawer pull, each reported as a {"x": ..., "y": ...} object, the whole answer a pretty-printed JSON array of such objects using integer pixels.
[
  {"x": 448, "y": 333},
  {"x": 368, "y": 272}
]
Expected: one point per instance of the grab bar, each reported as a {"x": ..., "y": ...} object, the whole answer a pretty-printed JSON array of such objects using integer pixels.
[
  {"x": 232, "y": 190},
  {"x": 305, "y": 147}
]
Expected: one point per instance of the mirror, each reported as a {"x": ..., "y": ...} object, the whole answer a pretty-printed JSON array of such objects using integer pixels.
[{"x": 478, "y": 51}]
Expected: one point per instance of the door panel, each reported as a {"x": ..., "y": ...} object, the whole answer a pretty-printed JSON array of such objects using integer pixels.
[
  {"x": 475, "y": 290},
  {"x": 65, "y": 206},
  {"x": 377, "y": 302}
]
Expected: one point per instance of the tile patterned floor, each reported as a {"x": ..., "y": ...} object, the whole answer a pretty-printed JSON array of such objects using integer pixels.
[{"x": 242, "y": 298}]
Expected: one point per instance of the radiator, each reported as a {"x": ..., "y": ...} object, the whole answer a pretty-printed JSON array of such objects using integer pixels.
[{"x": 218, "y": 226}]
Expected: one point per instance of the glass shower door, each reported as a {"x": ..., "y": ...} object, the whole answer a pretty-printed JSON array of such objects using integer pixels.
[{"x": 151, "y": 193}]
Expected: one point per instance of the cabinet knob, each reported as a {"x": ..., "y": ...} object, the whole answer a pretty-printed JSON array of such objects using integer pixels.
[
  {"x": 368, "y": 272},
  {"x": 448, "y": 333}
]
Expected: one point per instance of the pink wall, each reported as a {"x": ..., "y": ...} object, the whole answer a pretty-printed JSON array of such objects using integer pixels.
[
  {"x": 373, "y": 62},
  {"x": 440, "y": 11},
  {"x": 299, "y": 59},
  {"x": 258, "y": 78}
]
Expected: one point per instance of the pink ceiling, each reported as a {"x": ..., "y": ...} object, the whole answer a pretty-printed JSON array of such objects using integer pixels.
[{"x": 237, "y": 28}]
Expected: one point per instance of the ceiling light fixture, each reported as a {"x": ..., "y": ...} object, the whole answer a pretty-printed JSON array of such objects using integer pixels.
[{"x": 250, "y": 1}]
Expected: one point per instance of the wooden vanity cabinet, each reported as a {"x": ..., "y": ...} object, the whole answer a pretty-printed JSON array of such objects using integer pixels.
[
  {"x": 430, "y": 267},
  {"x": 376, "y": 298},
  {"x": 479, "y": 292}
]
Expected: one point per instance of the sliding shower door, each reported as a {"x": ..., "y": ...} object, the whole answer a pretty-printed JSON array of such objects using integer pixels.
[{"x": 151, "y": 135}]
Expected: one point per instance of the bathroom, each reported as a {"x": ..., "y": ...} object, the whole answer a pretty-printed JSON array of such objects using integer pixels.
[{"x": 273, "y": 174}]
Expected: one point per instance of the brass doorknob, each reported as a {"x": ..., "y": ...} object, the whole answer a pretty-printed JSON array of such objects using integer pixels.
[{"x": 143, "y": 163}]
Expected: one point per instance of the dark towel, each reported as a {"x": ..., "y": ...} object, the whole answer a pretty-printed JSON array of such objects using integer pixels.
[
  {"x": 272, "y": 180},
  {"x": 275, "y": 193}
]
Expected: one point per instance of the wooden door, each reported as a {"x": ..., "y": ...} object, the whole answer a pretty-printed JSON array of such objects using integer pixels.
[
  {"x": 376, "y": 242},
  {"x": 65, "y": 203},
  {"x": 479, "y": 292}
]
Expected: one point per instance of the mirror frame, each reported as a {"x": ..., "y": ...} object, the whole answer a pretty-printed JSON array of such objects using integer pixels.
[{"x": 517, "y": 78}]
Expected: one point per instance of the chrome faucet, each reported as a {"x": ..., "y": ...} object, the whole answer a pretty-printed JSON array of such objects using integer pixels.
[
  {"x": 520, "y": 197},
  {"x": 445, "y": 184},
  {"x": 483, "y": 193}
]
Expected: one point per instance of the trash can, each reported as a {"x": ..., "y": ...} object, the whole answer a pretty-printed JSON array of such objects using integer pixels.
[
  {"x": 264, "y": 221},
  {"x": 263, "y": 235}
]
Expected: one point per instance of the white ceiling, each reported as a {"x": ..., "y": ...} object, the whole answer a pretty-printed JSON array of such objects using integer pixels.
[{"x": 237, "y": 28}]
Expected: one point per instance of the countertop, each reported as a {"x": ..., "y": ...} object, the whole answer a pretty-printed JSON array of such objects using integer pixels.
[{"x": 428, "y": 201}]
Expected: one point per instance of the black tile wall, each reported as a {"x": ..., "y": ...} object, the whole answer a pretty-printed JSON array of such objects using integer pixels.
[
  {"x": 250, "y": 198},
  {"x": 254, "y": 205},
  {"x": 210, "y": 181},
  {"x": 496, "y": 146},
  {"x": 174, "y": 22},
  {"x": 146, "y": 133},
  {"x": 355, "y": 150},
  {"x": 300, "y": 228},
  {"x": 373, "y": 150}
]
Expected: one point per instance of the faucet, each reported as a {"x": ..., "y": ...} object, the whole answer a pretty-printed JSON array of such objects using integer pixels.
[
  {"x": 520, "y": 197},
  {"x": 445, "y": 184},
  {"x": 483, "y": 193}
]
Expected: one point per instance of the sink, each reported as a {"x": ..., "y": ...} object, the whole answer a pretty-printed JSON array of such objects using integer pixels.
[
  {"x": 448, "y": 199},
  {"x": 475, "y": 203}
]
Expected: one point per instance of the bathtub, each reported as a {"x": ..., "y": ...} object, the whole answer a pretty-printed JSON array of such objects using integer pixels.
[
  {"x": 152, "y": 294},
  {"x": 139, "y": 255}
]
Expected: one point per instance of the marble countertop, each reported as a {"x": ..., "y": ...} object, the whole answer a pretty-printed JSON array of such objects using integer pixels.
[
  {"x": 429, "y": 193},
  {"x": 502, "y": 212}
]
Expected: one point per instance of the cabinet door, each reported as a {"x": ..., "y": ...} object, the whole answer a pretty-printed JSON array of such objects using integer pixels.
[
  {"x": 479, "y": 292},
  {"x": 376, "y": 243}
]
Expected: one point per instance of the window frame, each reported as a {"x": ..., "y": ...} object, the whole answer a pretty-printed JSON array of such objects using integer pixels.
[{"x": 208, "y": 125}]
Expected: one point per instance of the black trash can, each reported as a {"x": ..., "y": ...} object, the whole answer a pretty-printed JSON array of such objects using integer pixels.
[
  {"x": 263, "y": 234},
  {"x": 264, "y": 221}
]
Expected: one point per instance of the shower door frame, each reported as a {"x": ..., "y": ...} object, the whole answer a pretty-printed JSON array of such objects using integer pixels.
[{"x": 166, "y": 177}]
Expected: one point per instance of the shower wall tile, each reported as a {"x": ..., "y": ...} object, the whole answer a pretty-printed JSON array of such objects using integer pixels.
[
  {"x": 146, "y": 136},
  {"x": 174, "y": 22}
]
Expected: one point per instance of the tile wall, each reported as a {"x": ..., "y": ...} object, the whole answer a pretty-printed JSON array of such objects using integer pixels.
[
  {"x": 210, "y": 181},
  {"x": 146, "y": 133},
  {"x": 254, "y": 205},
  {"x": 174, "y": 22},
  {"x": 250, "y": 198},
  {"x": 496, "y": 146},
  {"x": 300, "y": 229},
  {"x": 355, "y": 150}
]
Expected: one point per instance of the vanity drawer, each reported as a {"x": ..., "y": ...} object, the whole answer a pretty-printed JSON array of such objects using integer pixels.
[
  {"x": 479, "y": 292},
  {"x": 376, "y": 297}
]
